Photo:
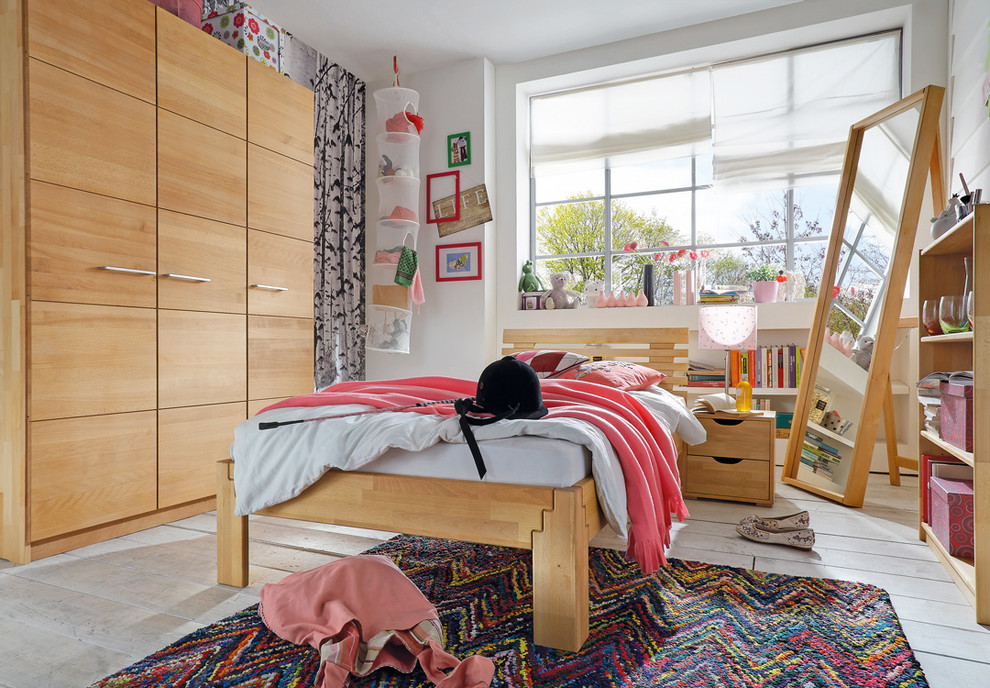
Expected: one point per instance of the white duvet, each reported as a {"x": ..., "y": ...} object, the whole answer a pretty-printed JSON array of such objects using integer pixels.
[{"x": 278, "y": 464}]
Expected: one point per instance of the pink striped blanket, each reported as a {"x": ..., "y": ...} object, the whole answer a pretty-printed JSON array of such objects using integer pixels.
[{"x": 645, "y": 448}]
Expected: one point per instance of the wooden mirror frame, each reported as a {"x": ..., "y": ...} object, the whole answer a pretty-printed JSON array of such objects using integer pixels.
[{"x": 925, "y": 157}]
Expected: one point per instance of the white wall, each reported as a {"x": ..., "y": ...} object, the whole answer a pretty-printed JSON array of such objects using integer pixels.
[
  {"x": 453, "y": 332},
  {"x": 969, "y": 125}
]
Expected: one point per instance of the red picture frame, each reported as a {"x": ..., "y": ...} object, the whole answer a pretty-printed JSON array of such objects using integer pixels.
[
  {"x": 456, "y": 196},
  {"x": 458, "y": 262}
]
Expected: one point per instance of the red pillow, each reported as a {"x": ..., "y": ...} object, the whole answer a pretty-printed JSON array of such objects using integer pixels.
[
  {"x": 550, "y": 363},
  {"x": 622, "y": 375}
]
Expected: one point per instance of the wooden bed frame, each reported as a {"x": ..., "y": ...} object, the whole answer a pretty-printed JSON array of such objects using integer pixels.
[{"x": 556, "y": 524}]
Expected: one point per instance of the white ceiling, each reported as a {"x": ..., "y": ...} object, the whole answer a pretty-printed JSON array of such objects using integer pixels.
[{"x": 363, "y": 35}]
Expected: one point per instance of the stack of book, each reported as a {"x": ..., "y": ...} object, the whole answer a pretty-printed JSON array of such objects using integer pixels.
[
  {"x": 768, "y": 367},
  {"x": 706, "y": 377},
  {"x": 930, "y": 395},
  {"x": 718, "y": 296},
  {"x": 819, "y": 456}
]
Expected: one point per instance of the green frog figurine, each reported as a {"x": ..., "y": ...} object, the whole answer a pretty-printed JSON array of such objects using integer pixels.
[{"x": 530, "y": 281}]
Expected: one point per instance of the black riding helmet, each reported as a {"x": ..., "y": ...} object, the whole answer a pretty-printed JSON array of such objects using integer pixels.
[{"x": 506, "y": 389}]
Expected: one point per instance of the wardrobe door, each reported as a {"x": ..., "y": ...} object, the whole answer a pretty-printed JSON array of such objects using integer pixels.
[
  {"x": 280, "y": 357},
  {"x": 280, "y": 275},
  {"x": 201, "y": 171},
  {"x": 89, "y": 471},
  {"x": 280, "y": 194},
  {"x": 280, "y": 113},
  {"x": 190, "y": 442},
  {"x": 88, "y": 248},
  {"x": 205, "y": 80},
  {"x": 88, "y": 136},
  {"x": 111, "y": 42},
  {"x": 88, "y": 360},
  {"x": 202, "y": 358},
  {"x": 201, "y": 264}
]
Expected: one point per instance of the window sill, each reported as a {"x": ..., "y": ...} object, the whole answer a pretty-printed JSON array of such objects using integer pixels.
[{"x": 789, "y": 315}]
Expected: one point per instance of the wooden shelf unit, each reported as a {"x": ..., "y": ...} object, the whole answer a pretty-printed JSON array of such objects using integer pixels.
[{"x": 940, "y": 272}]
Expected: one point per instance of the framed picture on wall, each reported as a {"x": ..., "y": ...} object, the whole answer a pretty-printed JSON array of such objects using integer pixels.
[
  {"x": 459, "y": 149},
  {"x": 456, "y": 262},
  {"x": 445, "y": 186}
]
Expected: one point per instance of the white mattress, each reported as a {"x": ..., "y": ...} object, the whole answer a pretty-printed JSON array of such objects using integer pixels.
[{"x": 519, "y": 460}]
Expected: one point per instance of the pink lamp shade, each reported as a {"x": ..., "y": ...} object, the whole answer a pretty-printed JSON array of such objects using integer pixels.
[{"x": 727, "y": 327}]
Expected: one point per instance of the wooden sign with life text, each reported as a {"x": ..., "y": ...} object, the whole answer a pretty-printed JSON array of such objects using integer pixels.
[{"x": 475, "y": 210}]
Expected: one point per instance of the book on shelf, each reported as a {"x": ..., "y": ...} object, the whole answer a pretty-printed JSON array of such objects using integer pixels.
[
  {"x": 931, "y": 384},
  {"x": 706, "y": 376},
  {"x": 718, "y": 296},
  {"x": 819, "y": 443},
  {"x": 707, "y": 383},
  {"x": 774, "y": 366}
]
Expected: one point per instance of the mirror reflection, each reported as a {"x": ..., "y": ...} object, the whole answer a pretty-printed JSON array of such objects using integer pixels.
[{"x": 861, "y": 275}]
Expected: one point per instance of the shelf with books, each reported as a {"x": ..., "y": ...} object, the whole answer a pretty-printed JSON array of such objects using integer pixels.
[
  {"x": 772, "y": 366},
  {"x": 825, "y": 458},
  {"x": 940, "y": 272}
]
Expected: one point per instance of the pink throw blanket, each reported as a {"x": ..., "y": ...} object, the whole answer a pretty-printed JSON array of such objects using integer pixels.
[{"x": 645, "y": 448}]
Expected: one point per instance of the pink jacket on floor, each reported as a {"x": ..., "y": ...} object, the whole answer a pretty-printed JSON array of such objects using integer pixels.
[{"x": 363, "y": 613}]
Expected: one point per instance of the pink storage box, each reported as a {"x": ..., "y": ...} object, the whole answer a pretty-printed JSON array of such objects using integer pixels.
[
  {"x": 241, "y": 27},
  {"x": 186, "y": 10},
  {"x": 952, "y": 515},
  {"x": 957, "y": 415}
]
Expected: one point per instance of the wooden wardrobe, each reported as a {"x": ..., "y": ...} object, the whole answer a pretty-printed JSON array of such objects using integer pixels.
[{"x": 157, "y": 264}]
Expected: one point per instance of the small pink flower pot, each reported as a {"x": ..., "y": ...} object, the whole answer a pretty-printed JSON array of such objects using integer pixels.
[{"x": 765, "y": 292}]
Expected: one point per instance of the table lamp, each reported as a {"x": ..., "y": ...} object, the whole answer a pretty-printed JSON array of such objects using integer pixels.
[{"x": 729, "y": 328}]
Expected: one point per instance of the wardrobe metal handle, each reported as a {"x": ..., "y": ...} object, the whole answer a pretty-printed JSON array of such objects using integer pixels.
[
  {"x": 189, "y": 278},
  {"x": 129, "y": 271},
  {"x": 269, "y": 287}
]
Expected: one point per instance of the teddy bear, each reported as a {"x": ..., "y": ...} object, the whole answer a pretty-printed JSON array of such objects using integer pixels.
[
  {"x": 558, "y": 297},
  {"x": 862, "y": 352}
]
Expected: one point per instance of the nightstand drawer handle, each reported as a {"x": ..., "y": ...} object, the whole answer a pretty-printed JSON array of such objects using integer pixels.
[
  {"x": 726, "y": 460},
  {"x": 728, "y": 421}
]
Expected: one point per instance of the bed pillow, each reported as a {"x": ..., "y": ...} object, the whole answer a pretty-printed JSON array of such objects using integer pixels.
[
  {"x": 550, "y": 363},
  {"x": 623, "y": 375}
]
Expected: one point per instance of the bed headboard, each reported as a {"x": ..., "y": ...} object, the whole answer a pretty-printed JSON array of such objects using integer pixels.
[{"x": 661, "y": 348}]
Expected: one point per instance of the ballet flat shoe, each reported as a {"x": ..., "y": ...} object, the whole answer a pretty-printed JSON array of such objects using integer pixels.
[
  {"x": 780, "y": 524},
  {"x": 801, "y": 539}
]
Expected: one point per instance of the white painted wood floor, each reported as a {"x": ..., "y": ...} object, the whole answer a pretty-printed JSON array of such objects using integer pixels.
[{"x": 71, "y": 619}]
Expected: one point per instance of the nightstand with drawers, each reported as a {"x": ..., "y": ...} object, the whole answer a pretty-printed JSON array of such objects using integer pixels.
[{"x": 735, "y": 462}]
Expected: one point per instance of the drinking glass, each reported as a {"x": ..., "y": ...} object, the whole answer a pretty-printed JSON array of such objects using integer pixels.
[
  {"x": 969, "y": 309},
  {"x": 929, "y": 317},
  {"x": 952, "y": 314}
]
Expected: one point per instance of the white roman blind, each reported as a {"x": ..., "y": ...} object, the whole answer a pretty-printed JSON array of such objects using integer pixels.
[
  {"x": 621, "y": 124},
  {"x": 782, "y": 120}
]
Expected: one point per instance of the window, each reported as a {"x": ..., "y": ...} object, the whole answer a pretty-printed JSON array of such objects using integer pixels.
[{"x": 721, "y": 168}]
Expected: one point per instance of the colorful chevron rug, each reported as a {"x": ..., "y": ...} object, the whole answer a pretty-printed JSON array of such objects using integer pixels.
[{"x": 689, "y": 625}]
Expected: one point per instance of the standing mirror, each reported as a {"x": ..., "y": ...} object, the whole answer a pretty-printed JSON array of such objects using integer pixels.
[{"x": 888, "y": 158}]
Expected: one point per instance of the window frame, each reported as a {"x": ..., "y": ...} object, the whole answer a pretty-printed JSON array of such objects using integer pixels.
[{"x": 789, "y": 240}]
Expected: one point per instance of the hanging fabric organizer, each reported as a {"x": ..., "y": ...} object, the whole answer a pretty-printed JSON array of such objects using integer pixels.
[{"x": 395, "y": 261}]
